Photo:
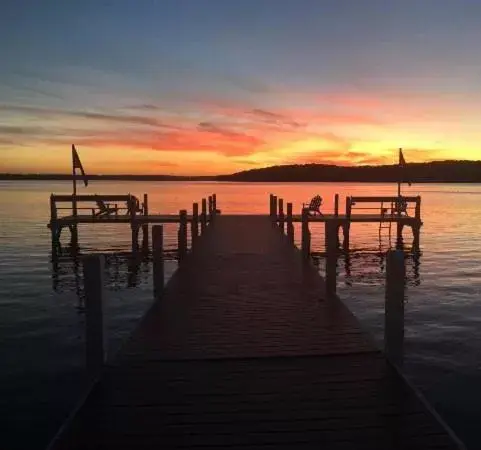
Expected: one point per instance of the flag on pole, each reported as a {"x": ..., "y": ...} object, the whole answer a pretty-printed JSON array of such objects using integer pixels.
[
  {"x": 402, "y": 167},
  {"x": 77, "y": 164}
]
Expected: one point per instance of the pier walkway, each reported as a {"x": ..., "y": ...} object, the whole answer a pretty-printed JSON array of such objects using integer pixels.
[{"x": 244, "y": 351}]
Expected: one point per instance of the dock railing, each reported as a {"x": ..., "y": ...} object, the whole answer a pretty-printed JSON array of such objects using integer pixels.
[{"x": 126, "y": 208}]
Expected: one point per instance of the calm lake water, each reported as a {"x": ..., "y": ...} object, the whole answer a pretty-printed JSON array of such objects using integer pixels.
[{"x": 41, "y": 305}]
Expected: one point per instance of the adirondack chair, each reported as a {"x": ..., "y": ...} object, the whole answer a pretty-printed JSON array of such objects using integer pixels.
[
  {"x": 400, "y": 207},
  {"x": 314, "y": 205},
  {"x": 105, "y": 209}
]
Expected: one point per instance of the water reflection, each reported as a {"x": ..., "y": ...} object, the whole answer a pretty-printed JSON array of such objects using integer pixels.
[
  {"x": 122, "y": 269},
  {"x": 369, "y": 267}
]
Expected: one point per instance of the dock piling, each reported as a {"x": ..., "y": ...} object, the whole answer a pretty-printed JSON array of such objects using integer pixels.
[
  {"x": 346, "y": 228},
  {"x": 54, "y": 231},
  {"x": 331, "y": 240},
  {"x": 214, "y": 205},
  {"x": 203, "y": 219},
  {"x": 134, "y": 226},
  {"x": 399, "y": 236},
  {"x": 417, "y": 226},
  {"x": 93, "y": 267},
  {"x": 271, "y": 206},
  {"x": 145, "y": 226},
  {"x": 182, "y": 235},
  {"x": 195, "y": 224},
  {"x": 281, "y": 214},
  {"x": 417, "y": 213},
  {"x": 394, "y": 305},
  {"x": 306, "y": 235},
  {"x": 210, "y": 208},
  {"x": 274, "y": 208},
  {"x": 290, "y": 226},
  {"x": 158, "y": 259},
  {"x": 336, "y": 205}
]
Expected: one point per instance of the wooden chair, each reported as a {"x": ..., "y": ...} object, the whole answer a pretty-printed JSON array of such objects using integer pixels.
[
  {"x": 105, "y": 209},
  {"x": 400, "y": 207},
  {"x": 314, "y": 205}
]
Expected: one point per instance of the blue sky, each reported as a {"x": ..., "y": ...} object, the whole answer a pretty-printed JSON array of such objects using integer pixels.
[{"x": 409, "y": 71}]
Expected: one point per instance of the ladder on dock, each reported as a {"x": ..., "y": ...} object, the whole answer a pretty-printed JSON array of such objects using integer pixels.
[{"x": 385, "y": 225}]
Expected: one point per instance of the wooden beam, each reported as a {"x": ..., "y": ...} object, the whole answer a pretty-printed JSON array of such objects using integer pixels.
[
  {"x": 93, "y": 268},
  {"x": 182, "y": 235},
  {"x": 290, "y": 226},
  {"x": 381, "y": 199},
  {"x": 158, "y": 259}
]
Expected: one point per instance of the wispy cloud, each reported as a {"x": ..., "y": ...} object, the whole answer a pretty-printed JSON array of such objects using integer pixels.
[
  {"x": 274, "y": 118},
  {"x": 100, "y": 116}
]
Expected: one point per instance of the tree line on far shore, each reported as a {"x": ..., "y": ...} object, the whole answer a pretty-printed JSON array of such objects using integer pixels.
[{"x": 429, "y": 172}]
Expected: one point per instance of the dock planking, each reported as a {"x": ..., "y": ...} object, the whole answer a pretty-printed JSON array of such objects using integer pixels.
[{"x": 243, "y": 351}]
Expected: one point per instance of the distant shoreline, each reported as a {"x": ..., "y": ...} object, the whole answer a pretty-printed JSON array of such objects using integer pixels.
[
  {"x": 215, "y": 180},
  {"x": 429, "y": 172}
]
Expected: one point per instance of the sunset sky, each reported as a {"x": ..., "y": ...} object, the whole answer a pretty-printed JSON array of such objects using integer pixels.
[{"x": 217, "y": 86}]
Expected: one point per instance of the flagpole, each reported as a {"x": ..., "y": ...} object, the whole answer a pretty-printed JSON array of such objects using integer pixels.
[{"x": 74, "y": 181}]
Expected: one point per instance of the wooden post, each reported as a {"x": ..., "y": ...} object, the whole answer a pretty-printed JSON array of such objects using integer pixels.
[
  {"x": 331, "y": 230},
  {"x": 394, "y": 306},
  {"x": 417, "y": 226},
  {"x": 395, "y": 274},
  {"x": 417, "y": 237},
  {"x": 336, "y": 205},
  {"x": 306, "y": 235},
  {"x": 182, "y": 235},
  {"x": 53, "y": 220},
  {"x": 290, "y": 225},
  {"x": 93, "y": 268},
  {"x": 274, "y": 208},
  {"x": 418, "y": 208},
  {"x": 210, "y": 208},
  {"x": 145, "y": 226},
  {"x": 214, "y": 205},
  {"x": 281, "y": 214},
  {"x": 348, "y": 208},
  {"x": 195, "y": 224},
  {"x": 271, "y": 206},
  {"x": 203, "y": 219},
  {"x": 158, "y": 259},
  {"x": 133, "y": 224},
  {"x": 399, "y": 234},
  {"x": 74, "y": 237},
  {"x": 346, "y": 228},
  {"x": 135, "y": 238}
]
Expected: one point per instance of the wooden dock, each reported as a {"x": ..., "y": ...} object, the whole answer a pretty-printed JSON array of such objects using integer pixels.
[
  {"x": 128, "y": 209},
  {"x": 243, "y": 350}
]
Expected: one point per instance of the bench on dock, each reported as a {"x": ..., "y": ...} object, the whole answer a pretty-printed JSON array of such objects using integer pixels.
[
  {"x": 389, "y": 207},
  {"x": 314, "y": 205}
]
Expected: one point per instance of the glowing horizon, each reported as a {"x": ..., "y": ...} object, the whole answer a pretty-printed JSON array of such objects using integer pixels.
[{"x": 214, "y": 100}]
